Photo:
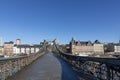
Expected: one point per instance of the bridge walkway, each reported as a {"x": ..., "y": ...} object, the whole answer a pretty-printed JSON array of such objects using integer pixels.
[{"x": 47, "y": 67}]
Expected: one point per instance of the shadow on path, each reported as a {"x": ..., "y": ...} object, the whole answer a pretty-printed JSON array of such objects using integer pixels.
[{"x": 68, "y": 71}]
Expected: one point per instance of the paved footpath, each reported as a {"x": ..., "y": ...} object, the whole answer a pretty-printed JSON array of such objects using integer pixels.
[{"x": 47, "y": 67}]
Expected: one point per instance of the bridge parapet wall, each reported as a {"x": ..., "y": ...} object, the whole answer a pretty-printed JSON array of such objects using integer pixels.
[
  {"x": 95, "y": 68},
  {"x": 10, "y": 66}
]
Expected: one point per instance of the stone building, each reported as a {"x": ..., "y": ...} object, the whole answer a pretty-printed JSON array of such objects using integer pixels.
[
  {"x": 86, "y": 47},
  {"x": 8, "y": 48},
  {"x": 98, "y": 47},
  {"x": 1, "y": 50}
]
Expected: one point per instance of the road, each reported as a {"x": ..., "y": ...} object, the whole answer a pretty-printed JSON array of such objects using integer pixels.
[{"x": 47, "y": 67}]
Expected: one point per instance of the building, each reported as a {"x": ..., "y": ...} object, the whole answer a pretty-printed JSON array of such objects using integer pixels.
[
  {"x": 18, "y": 41},
  {"x": 98, "y": 47},
  {"x": 1, "y": 50},
  {"x": 8, "y": 48},
  {"x": 83, "y": 47},
  {"x": 0, "y": 41},
  {"x": 116, "y": 48},
  {"x": 86, "y": 47},
  {"x": 109, "y": 47},
  {"x": 11, "y": 49},
  {"x": 26, "y": 48}
]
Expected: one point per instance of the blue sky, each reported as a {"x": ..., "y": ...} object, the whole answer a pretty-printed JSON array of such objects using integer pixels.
[{"x": 35, "y": 20}]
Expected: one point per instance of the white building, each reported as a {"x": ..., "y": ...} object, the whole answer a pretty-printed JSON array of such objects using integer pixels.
[
  {"x": 37, "y": 49},
  {"x": 117, "y": 48},
  {"x": 16, "y": 50},
  {"x": 10, "y": 48},
  {"x": 25, "y": 49}
]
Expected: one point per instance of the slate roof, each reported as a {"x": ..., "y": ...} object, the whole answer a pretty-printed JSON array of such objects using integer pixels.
[
  {"x": 11, "y": 42},
  {"x": 83, "y": 42},
  {"x": 27, "y": 45}
]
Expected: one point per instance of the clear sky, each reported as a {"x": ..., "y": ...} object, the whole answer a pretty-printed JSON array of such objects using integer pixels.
[{"x": 35, "y": 20}]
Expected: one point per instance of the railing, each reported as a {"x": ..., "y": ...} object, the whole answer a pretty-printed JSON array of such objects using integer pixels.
[
  {"x": 95, "y": 68},
  {"x": 10, "y": 66}
]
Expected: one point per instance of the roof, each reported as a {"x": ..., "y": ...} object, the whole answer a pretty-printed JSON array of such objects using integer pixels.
[
  {"x": 11, "y": 42},
  {"x": 83, "y": 42},
  {"x": 18, "y": 39},
  {"x": 27, "y": 45},
  {"x": 97, "y": 42},
  {"x": 117, "y": 44}
]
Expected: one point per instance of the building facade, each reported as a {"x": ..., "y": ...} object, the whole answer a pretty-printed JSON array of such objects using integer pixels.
[
  {"x": 117, "y": 48},
  {"x": 0, "y": 41},
  {"x": 1, "y": 50},
  {"x": 86, "y": 47},
  {"x": 98, "y": 48},
  {"x": 18, "y": 41},
  {"x": 8, "y": 48},
  {"x": 26, "y": 48}
]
